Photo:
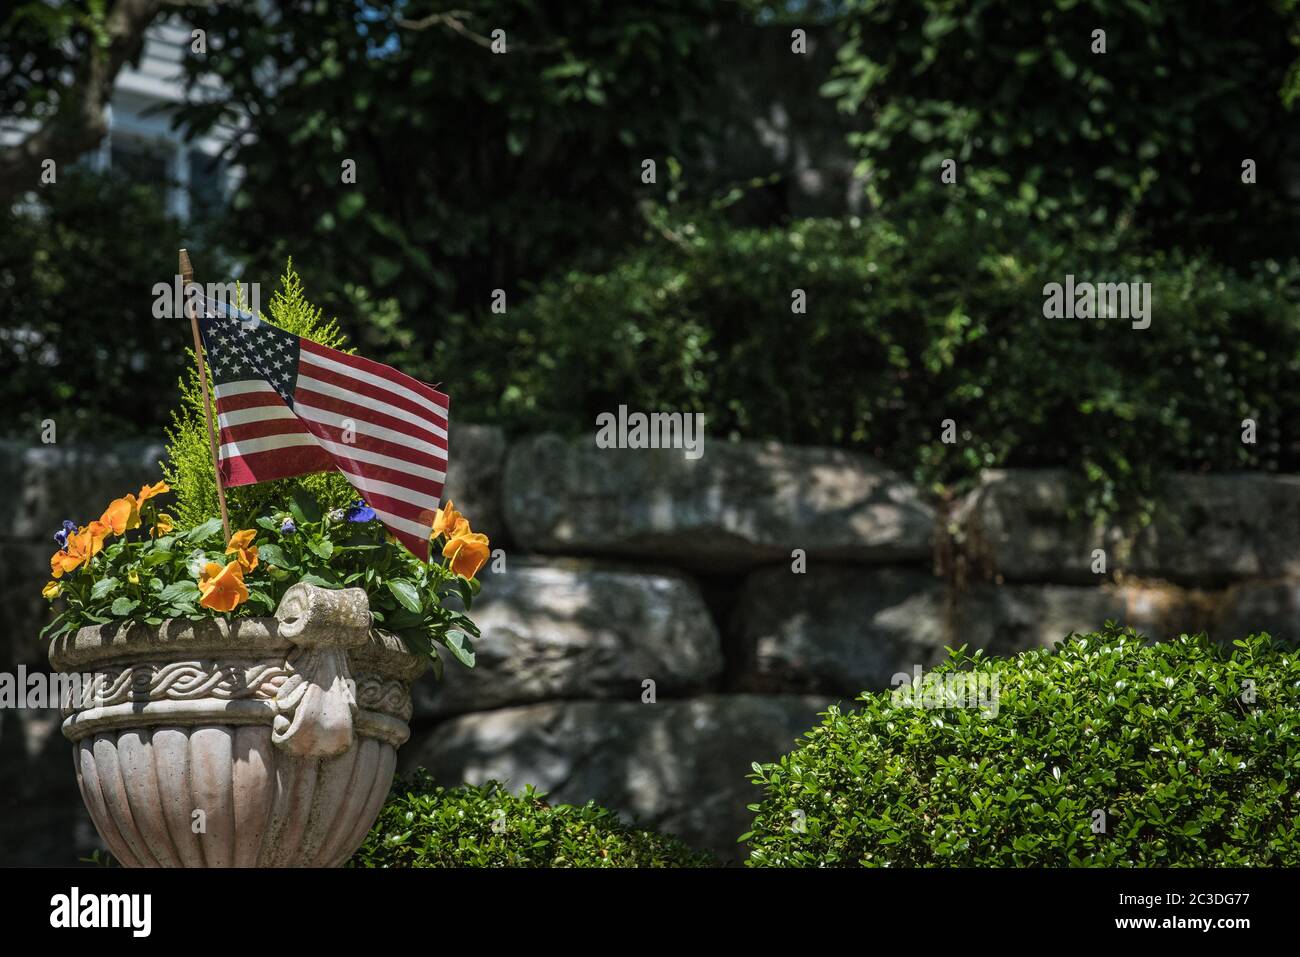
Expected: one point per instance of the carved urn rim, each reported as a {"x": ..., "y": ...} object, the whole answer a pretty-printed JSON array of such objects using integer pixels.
[
  {"x": 318, "y": 672},
  {"x": 94, "y": 646}
]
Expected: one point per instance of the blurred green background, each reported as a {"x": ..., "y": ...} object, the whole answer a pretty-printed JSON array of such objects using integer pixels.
[{"x": 775, "y": 171}]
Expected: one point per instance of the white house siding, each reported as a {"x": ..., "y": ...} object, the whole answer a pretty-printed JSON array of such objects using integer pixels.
[{"x": 145, "y": 99}]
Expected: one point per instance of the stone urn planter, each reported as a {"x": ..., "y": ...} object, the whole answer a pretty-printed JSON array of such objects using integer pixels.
[{"x": 256, "y": 742}]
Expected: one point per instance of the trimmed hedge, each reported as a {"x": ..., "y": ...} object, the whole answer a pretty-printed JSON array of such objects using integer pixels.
[
  {"x": 423, "y": 825},
  {"x": 1190, "y": 750}
]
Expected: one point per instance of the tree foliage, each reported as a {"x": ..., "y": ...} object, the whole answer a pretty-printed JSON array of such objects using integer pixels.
[
  {"x": 475, "y": 170},
  {"x": 913, "y": 318},
  {"x": 60, "y": 62},
  {"x": 1153, "y": 131},
  {"x": 79, "y": 343}
]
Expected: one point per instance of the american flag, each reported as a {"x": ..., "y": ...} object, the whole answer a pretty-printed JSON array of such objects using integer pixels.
[{"x": 287, "y": 406}]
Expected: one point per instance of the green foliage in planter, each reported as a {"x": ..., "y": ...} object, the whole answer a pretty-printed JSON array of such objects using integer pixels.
[
  {"x": 423, "y": 825},
  {"x": 149, "y": 571},
  {"x": 1191, "y": 750},
  {"x": 188, "y": 468},
  {"x": 929, "y": 313}
]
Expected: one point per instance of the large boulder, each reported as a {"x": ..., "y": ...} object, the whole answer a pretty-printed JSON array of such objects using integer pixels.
[
  {"x": 737, "y": 505},
  {"x": 475, "y": 462},
  {"x": 676, "y": 766},
  {"x": 1216, "y": 529},
  {"x": 836, "y": 629},
  {"x": 24, "y": 570},
  {"x": 1008, "y": 619},
  {"x": 842, "y": 630},
  {"x": 48, "y": 483},
  {"x": 569, "y": 629},
  {"x": 1254, "y": 607},
  {"x": 1209, "y": 530}
]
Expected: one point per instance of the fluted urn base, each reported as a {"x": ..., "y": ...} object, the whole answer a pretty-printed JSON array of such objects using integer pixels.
[{"x": 267, "y": 742}]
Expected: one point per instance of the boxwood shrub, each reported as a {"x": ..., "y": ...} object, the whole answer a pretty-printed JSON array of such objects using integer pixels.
[
  {"x": 1104, "y": 751},
  {"x": 424, "y": 825}
]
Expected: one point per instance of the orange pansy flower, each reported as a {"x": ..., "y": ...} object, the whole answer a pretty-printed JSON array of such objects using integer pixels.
[
  {"x": 467, "y": 552},
  {"x": 223, "y": 589},
  {"x": 447, "y": 521},
  {"x": 241, "y": 545},
  {"x": 149, "y": 491},
  {"x": 122, "y": 515},
  {"x": 83, "y": 545}
]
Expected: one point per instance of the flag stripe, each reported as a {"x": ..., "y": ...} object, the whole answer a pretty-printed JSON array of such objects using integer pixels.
[
  {"x": 331, "y": 383},
  {"x": 368, "y": 443},
  {"x": 398, "y": 478},
  {"x": 345, "y": 451},
  {"x": 415, "y": 544},
  {"x": 249, "y": 400},
  {"x": 257, "y": 413},
  {"x": 261, "y": 430},
  {"x": 316, "y": 364},
  {"x": 286, "y": 407},
  {"x": 364, "y": 414},
  {"x": 228, "y": 390},
  {"x": 401, "y": 499},
  {"x": 311, "y": 414},
  {"x": 267, "y": 443},
  {"x": 277, "y": 463},
  {"x": 398, "y": 515},
  {"x": 382, "y": 375}
]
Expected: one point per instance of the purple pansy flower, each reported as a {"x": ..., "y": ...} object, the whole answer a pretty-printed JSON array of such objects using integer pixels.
[
  {"x": 288, "y": 528},
  {"x": 61, "y": 537},
  {"x": 360, "y": 512}
]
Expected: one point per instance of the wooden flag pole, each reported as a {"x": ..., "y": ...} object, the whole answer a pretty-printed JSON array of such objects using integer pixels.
[{"x": 187, "y": 277}]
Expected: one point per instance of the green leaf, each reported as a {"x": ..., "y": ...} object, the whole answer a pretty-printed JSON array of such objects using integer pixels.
[
  {"x": 466, "y": 591},
  {"x": 304, "y": 508},
  {"x": 322, "y": 547},
  {"x": 103, "y": 587},
  {"x": 458, "y": 644},
  {"x": 402, "y": 619},
  {"x": 124, "y": 606},
  {"x": 274, "y": 555},
  {"x": 201, "y": 533},
  {"x": 311, "y": 578},
  {"x": 464, "y": 622},
  {"x": 405, "y": 593},
  {"x": 49, "y": 629},
  {"x": 179, "y": 591}
]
